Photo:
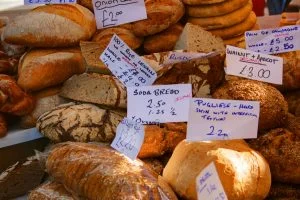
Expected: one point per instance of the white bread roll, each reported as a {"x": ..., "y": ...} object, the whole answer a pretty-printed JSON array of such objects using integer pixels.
[
  {"x": 51, "y": 26},
  {"x": 243, "y": 172}
]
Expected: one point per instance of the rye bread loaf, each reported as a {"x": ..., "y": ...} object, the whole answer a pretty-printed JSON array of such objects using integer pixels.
[
  {"x": 51, "y": 26},
  {"x": 95, "y": 88},
  {"x": 81, "y": 122}
]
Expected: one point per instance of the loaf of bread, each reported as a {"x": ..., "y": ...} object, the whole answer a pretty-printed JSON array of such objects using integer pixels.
[
  {"x": 95, "y": 88},
  {"x": 13, "y": 99},
  {"x": 293, "y": 99},
  {"x": 51, "y": 26},
  {"x": 8, "y": 64},
  {"x": 50, "y": 191},
  {"x": 82, "y": 122},
  {"x": 202, "y": 2},
  {"x": 42, "y": 68},
  {"x": 243, "y": 172},
  {"x": 273, "y": 107},
  {"x": 86, "y": 3},
  {"x": 98, "y": 172},
  {"x": 3, "y": 126},
  {"x": 46, "y": 100},
  {"x": 163, "y": 41},
  {"x": 155, "y": 164}
]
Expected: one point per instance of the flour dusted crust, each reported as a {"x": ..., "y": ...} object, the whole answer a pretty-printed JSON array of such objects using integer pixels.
[
  {"x": 212, "y": 10},
  {"x": 51, "y": 26},
  {"x": 202, "y": 2},
  {"x": 223, "y": 21}
]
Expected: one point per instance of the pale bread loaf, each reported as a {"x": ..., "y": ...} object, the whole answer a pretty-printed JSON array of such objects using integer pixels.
[
  {"x": 95, "y": 88},
  {"x": 51, "y": 26}
]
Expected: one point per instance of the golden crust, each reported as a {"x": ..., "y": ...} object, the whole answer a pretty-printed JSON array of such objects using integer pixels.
[{"x": 202, "y": 2}]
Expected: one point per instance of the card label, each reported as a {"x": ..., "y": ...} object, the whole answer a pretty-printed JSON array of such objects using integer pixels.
[
  {"x": 217, "y": 119},
  {"x": 177, "y": 57},
  {"x": 253, "y": 65},
  {"x": 272, "y": 41},
  {"x": 110, "y": 13},
  {"x": 159, "y": 103},
  {"x": 31, "y": 2},
  {"x": 126, "y": 65},
  {"x": 129, "y": 138},
  {"x": 209, "y": 186}
]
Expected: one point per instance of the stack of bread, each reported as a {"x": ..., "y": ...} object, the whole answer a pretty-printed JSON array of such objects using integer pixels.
[{"x": 228, "y": 19}]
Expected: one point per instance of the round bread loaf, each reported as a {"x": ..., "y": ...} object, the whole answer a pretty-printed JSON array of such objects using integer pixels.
[
  {"x": 160, "y": 15},
  {"x": 236, "y": 29},
  {"x": 202, "y": 2},
  {"x": 243, "y": 172},
  {"x": 104, "y": 36},
  {"x": 273, "y": 107},
  {"x": 213, "y": 10},
  {"x": 163, "y": 41}
]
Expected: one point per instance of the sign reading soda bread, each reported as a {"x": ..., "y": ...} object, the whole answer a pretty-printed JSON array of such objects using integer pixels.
[
  {"x": 126, "y": 65},
  {"x": 30, "y": 2},
  {"x": 159, "y": 103},
  {"x": 215, "y": 119},
  {"x": 253, "y": 65},
  {"x": 110, "y": 13},
  {"x": 272, "y": 41}
]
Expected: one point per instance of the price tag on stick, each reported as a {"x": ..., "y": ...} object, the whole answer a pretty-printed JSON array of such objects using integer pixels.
[
  {"x": 126, "y": 65},
  {"x": 217, "y": 119},
  {"x": 272, "y": 41},
  {"x": 159, "y": 103},
  {"x": 110, "y": 13},
  {"x": 253, "y": 65},
  {"x": 129, "y": 138},
  {"x": 209, "y": 186},
  {"x": 31, "y": 2}
]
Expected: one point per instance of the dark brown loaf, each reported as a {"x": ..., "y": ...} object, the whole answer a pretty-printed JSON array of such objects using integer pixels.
[
  {"x": 293, "y": 99},
  {"x": 99, "y": 172},
  {"x": 51, "y": 26}
]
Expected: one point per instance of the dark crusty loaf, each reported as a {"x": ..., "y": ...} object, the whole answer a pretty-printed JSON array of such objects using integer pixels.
[
  {"x": 95, "y": 88},
  {"x": 82, "y": 122},
  {"x": 98, "y": 172},
  {"x": 293, "y": 99}
]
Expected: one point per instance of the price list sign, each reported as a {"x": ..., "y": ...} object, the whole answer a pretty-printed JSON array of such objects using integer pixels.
[
  {"x": 253, "y": 65},
  {"x": 159, "y": 103},
  {"x": 110, "y": 13},
  {"x": 126, "y": 65},
  {"x": 272, "y": 41},
  {"x": 30, "y": 2}
]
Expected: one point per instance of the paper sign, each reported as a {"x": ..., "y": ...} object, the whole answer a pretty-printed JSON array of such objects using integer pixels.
[
  {"x": 129, "y": 138},
  {"x": 272, "y": 41},
  {"x": 30, "y": 2},
  {"x": 253, "y": 65},
  {"x": 159, "y": 103},
  {"x": 126, "y": 65},
  {"x": 217, "y": 119},
  {"x": 209, "y": 186},
  {"x": 177, "y": 57},
  {"x": 110, "y": 13}
]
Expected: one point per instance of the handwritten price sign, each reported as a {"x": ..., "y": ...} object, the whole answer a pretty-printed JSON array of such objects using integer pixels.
[
  {"x": 129, "y": 138},
  {"x": 215, "y": 119},
  {"x": 30, "y": 2},
  {"x": 126, "y": 65},
  {"x": 159, "y": 103},
  {"x": 272, "y": 41},
  {"x": 253, "y": 65},
  {"x": 209, "y": 186},
  {"x": 110, "y": 13}
]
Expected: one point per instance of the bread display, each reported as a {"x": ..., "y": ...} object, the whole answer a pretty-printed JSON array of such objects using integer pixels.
[
  {"x": 273, "y": 107},
  {"x": 94, "y": 172},
  {"x": 42, "y": 68},
  {"x": 293, "y": 99},
  {"x": 51, "y": 26},
  {"x": 243, "y": 172},
  {"x": 82, "y": 122},
  {"x": 163, "y": 41}
]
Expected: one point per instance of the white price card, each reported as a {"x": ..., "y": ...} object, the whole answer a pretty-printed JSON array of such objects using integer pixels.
[
  {"x": 177, "y": 57},
  {"x": 30, "y": 2},
  {"x": 253, "y": 65},
  {"x": 217, "y": 119},
  {"x": 129, "y": 138},
  {"x": 110, "y": 13},
  {"x": 272, "y": 41},
  {"x": 209, "y": 186},
  {"x": 126, "y": 65},
  {"x": 159, "y": 103}
]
